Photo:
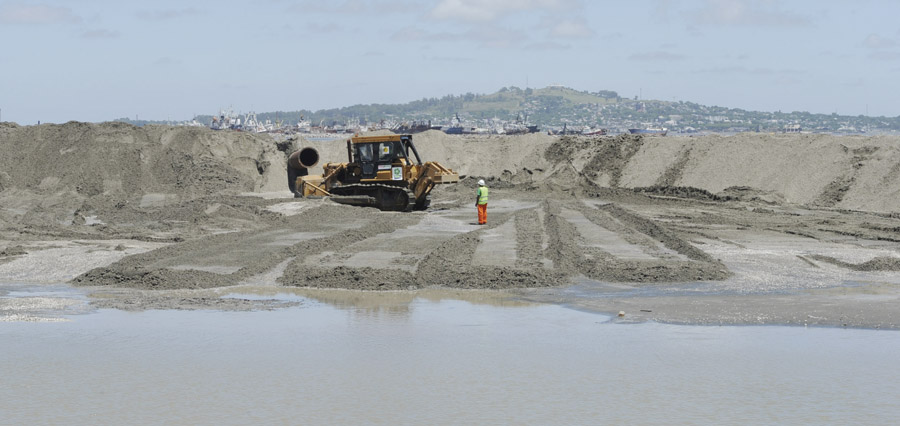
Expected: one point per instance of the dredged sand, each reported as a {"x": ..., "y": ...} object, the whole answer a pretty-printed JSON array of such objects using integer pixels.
[{"x": 745, "y": 229}]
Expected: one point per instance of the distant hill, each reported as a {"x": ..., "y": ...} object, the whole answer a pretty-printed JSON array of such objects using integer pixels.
[
  {"x": 543, "y": 106},
  {"x": 556, "y": 106}
]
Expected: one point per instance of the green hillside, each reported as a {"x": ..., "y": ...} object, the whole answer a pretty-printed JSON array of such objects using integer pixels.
[
  {"x": 555, "y": 106},
  {"x": 542, "y": 106}
]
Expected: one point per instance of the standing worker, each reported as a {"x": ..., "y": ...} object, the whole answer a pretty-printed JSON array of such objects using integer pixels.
[{"x": 481, "y": 200}]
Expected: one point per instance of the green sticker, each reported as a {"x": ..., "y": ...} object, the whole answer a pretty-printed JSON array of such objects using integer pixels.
[{"x": 397, "y": 173}]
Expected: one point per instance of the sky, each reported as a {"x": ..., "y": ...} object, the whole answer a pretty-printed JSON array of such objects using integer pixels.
[{"x": 99, "y": 60}]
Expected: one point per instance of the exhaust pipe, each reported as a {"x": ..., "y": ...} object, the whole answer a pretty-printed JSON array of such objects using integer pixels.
[{"x": 303, "y": 159}]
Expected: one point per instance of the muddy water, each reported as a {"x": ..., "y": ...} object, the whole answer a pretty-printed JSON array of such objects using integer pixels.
[{"x": 414, "y": 358}]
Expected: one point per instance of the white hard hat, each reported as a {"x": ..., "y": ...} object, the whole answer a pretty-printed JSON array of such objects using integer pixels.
[{"x": 480, "y": 182}]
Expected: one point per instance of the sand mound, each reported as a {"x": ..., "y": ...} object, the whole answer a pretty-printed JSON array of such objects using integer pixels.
[
  {"x": 856, "y": 173},
  {"x": 560, "y": 208},
  {"x": 56, "y": 167},
  {"x": 62, "y": 174},
  {"x": 123, "y": 160}
]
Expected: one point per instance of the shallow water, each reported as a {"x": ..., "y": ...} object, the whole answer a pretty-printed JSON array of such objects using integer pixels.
[{"x": 402, "y": 358}]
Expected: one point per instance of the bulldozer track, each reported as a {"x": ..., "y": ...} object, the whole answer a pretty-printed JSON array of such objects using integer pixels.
[
  {"x": 532, "y": 245},
  {"x": 367, "y": 189}
]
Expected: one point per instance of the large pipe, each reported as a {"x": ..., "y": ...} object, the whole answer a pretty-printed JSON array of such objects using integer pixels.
[
  {"x": 303, "y": 159},
  {"x": 299, "y": 164}
]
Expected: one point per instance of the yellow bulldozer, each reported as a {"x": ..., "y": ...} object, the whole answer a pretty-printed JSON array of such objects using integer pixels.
[{"x": 382, "y": 171}]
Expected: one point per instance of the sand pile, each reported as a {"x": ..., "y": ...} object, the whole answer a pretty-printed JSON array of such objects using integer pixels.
[
  {"x": 53, "y": 175},
  {"x": 123, "y": 160},
  {"x": 855, "y": 173},
  {"x": 50, "y": 168},
  {"x": 562, "y": 210},
  {"x": 845, "y": 172}
]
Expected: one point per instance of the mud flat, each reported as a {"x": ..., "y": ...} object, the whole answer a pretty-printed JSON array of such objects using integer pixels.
[{"x": 749, "y": 229}]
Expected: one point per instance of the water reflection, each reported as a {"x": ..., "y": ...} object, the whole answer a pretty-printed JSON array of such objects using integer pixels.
[
  {"x": 344, "y": 359},
  {"x": 397, "y": 304}
]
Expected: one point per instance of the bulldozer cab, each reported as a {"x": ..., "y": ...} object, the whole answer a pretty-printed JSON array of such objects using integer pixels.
[{"x": 380, "y": 157}]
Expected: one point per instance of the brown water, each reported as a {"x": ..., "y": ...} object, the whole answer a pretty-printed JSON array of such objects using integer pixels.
[{"x": 433, "y": 359}]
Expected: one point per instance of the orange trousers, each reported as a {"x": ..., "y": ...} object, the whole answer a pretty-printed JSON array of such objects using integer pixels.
[{"x": 482, "y": 214}]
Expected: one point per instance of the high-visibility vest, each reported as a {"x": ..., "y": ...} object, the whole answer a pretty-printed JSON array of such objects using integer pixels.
[{"x": 482, "y": 195}]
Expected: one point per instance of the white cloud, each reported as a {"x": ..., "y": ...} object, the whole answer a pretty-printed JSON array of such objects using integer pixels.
[
  {"x": 481, "y": 21},
  {"x": 661, "y": 10},
  {"x": 483, "y": 35},
  {"x": 855, "y": 83},
  {"x": 20, "y": 13},
  {"x": 753, "y": 71},
  {"x": 357, "y": 7},
  {"x": 454, "y": 59},
  {"x": 723, "y": 70},
  {"x": 771, "y": 71},
  {"x": 490, "y": 10},
  {"x": 572, "y": 28},
  {"x": 885, "y": 56},
  {"x": 323, "y": 28},
  {"x": 658, "y": 56},
  {"x": 746, "y": 13},
  {"x": 413, "y": 34},
  {"x": 497, "y": 37},
  {"x": 875, "y": 41},
  {"x": 548, "y": 46},
  {"x": 613, "y": 36},
  {"x": 166, "y": 61},
  {"x": 163, "y": 15},
  {"x": 787, "y": 81},
  {"x": 100, "y": 34}
]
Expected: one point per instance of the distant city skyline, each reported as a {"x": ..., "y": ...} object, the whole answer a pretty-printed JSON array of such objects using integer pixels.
[{"x": 97, "y": 60}]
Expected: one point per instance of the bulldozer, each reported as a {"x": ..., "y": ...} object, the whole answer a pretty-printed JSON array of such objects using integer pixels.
[{"x": 385, "y": 172}]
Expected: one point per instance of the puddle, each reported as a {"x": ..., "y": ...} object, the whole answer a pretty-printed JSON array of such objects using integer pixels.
[{"x": 27, "y": 303}]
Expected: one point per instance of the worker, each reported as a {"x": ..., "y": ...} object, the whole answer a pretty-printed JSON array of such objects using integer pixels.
[{"x": 481, "y": 200}]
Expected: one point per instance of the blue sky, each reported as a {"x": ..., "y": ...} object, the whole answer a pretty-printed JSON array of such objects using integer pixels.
[{"x": 97, "y": 60}]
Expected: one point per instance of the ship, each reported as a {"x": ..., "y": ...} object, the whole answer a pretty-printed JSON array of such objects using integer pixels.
[
  {"x": 406, "y": 128},
  {"x": 599, "y": 131},
  {"x": 226, "y": 121},
  {"x": 456, "y": 127},
  {"x": 565, "y": 131},
  {"x": 519, "y": 127},
  {"x": 649, "y": 131}
]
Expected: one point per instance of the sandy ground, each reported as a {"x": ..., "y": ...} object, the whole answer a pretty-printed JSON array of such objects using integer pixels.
[{"x": 750, "y": 229}]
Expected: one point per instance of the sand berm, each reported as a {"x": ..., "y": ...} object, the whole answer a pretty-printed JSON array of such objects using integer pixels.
[{"x": 211, "y": 209}]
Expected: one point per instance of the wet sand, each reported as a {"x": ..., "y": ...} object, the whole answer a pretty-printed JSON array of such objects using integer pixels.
[{"x": 755, "y": 229}]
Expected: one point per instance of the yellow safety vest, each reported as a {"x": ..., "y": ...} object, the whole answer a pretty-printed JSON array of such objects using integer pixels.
[{"x": 482, "y": 195}]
